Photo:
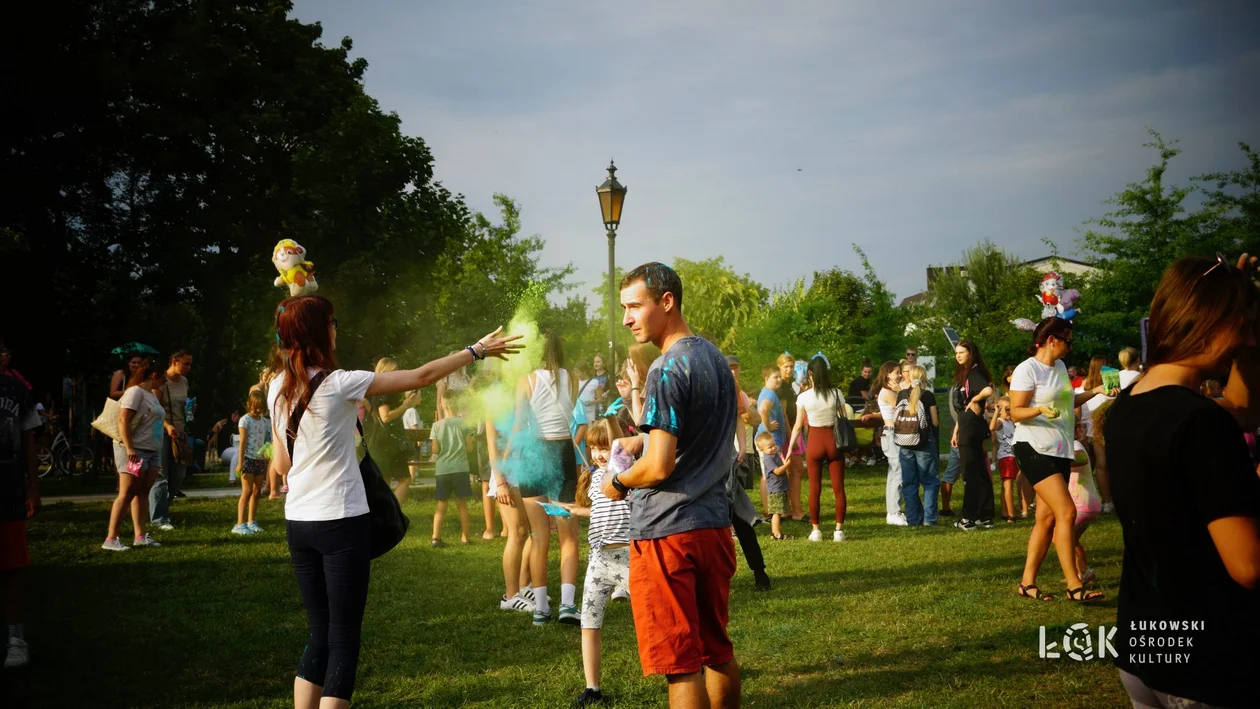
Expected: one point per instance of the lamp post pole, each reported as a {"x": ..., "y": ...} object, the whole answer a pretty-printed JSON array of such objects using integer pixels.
[
  {"x": 612, "y": 302},
  {"x": 612, "y": 195}
]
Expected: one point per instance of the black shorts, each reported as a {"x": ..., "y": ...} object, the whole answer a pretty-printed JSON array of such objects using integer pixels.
[
  {"x": 556, "y": 456},
  {"x": 1039, "y": 466},
  {"x": 454, "y": 484}
]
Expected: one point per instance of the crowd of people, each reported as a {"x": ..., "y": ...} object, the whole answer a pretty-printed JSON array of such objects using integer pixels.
[{"x": 660, "y": 459}]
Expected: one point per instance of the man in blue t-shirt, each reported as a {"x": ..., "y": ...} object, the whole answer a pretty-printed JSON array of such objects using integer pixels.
[{"x": 681, "y": 555}]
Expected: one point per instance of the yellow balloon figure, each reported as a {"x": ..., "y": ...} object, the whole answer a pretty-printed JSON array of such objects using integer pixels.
[{"x": 295, "y": 272}]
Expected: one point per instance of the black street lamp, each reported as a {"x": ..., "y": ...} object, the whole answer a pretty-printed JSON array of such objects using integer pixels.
[{"x": 612, "y": 195}]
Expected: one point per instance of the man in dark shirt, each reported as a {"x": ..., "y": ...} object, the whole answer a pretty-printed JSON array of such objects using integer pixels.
[
  {"x": 681, "y": 555},
  {"x": 861, "y": 386}
]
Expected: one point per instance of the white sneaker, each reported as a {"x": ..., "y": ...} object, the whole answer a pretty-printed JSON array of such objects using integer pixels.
[
  {"x": 898, "y": 520},
  {"x": 19, "y": 655},
  {"x": 145, "y": 541},
  {"x": 115, "y": 545},
  {"x": 816, "y": 535},
  {"x": 516, "y": 603},
  {"x": 1109, "y": 508},
  {"x": 166, "y": 527},
  {"x": 837, "y": 536}
]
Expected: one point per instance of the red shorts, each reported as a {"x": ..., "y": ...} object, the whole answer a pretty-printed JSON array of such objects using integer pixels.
[
  {"x": 680, "y": 586},
  {"x": 1008, "y": 468},
  {"x": 14, "y": 552}
]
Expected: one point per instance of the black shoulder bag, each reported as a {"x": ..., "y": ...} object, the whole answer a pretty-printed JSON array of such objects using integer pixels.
[
  {"x": 842, "y": 429},
  {"x": 389, "y": 524}
]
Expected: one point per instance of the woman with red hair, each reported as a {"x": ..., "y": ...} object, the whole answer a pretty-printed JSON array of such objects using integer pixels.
[{"x": 326, "y": 510}]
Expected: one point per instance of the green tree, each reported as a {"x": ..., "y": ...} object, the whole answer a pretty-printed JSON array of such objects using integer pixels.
[
  {"x": 980, "y": 296},
  {"x": 1233, "y": 200},
  {"x": 718, "y": 301}
]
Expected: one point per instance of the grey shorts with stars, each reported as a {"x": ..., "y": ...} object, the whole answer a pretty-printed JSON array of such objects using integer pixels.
[{"x": 606, "y": 570}]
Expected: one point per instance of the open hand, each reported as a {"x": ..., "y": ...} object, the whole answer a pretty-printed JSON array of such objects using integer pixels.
[{"x": 495, "y": 346}]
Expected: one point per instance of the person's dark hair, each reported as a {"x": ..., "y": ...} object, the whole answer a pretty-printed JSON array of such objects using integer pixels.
[
  {"x": 961, "y": 371},
  {"x": 820, "y": 375},
  {"x": 180, "y": 354},
  {"x": 148, "y": 369},
  {"x": 1007, "y": 374},
  {"x": 659, "y": 279},
  {"x": 1196, "y": 299},
  {"x": 1057, "y": 328},
  {"x": 881, "y": 377},
  {"x": 302, "y": 332}
]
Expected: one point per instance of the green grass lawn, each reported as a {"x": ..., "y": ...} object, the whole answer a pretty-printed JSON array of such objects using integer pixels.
[{"x": 892, "y": 617}]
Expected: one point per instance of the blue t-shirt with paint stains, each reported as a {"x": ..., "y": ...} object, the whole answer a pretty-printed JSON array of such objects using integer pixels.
[{"x": 690, "y": 394}]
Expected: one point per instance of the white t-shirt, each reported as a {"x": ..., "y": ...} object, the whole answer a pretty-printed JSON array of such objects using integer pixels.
[
  {"x": 1005, "y": 439},
  {"x": 324, "y": 480},
  {"x": 146, "y": 422},
  {"x": 411, "y": 418},
  {"x": 1127, "y": 377},
  {"x": 1051, "y": 386},
  {"x": 821, "y": 411}
]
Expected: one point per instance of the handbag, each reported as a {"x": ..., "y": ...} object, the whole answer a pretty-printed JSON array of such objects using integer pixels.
[
  {"x": 107, "y": 422},
  {"x": 842, "y": 429},
  {"x": 389, "y": 524}
]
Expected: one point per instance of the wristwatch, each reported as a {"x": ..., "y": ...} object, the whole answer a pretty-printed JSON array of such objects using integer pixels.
[{"x": 618, "y": 485}]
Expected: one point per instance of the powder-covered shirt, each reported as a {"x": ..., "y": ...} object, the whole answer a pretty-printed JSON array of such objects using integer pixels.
[
  {"x": 1051, "y": 386},
  {"x": 452, "y": 446},
  {"x": 689, "y": 394}
]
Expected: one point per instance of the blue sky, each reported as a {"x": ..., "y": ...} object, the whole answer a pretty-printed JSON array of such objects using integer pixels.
[{"x": 776, "y": 134}]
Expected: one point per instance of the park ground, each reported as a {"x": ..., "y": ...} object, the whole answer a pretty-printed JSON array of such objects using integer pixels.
[{"x": 892, "y": 617}]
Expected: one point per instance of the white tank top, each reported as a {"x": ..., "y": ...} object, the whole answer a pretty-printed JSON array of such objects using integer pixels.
[
  {"x": 887, "y": 410},
  {"x": 550, "y": 406}
]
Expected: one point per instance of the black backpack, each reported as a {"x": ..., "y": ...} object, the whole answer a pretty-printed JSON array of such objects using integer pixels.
[{"x": 389, "y": 524}]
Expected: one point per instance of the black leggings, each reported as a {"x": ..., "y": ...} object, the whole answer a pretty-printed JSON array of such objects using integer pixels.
[
  {"x": 332, "y": 560},
  {"x": 748, "y": 542},
  {"x": 978, "y": 493}
]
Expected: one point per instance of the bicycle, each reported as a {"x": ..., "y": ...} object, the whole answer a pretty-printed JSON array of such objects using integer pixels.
[{"x": 63, "y": 458}]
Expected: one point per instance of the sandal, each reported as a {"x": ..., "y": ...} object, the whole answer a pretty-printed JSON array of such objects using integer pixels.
[
  {"x": 1031, "y": 591},
  {"x": 781, "y": 537},
  {"x": 1080, "y": 595},
  {"x": 1008, "y": 520}
]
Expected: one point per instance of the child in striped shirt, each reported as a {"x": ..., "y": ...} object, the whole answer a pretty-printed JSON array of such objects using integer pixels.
[{"x": 608, "y": 567}]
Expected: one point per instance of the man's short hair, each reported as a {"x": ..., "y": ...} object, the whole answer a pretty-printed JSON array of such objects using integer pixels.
[
  {"x": 767, "y": 370},
  {"x": 659, "y": 279}
]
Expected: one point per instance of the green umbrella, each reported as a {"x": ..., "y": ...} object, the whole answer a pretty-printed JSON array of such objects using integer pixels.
[{"x": 133, "y": 348}]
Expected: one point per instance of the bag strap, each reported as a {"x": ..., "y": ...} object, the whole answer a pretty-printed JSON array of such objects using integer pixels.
[{"x": 296, "y": 418}]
